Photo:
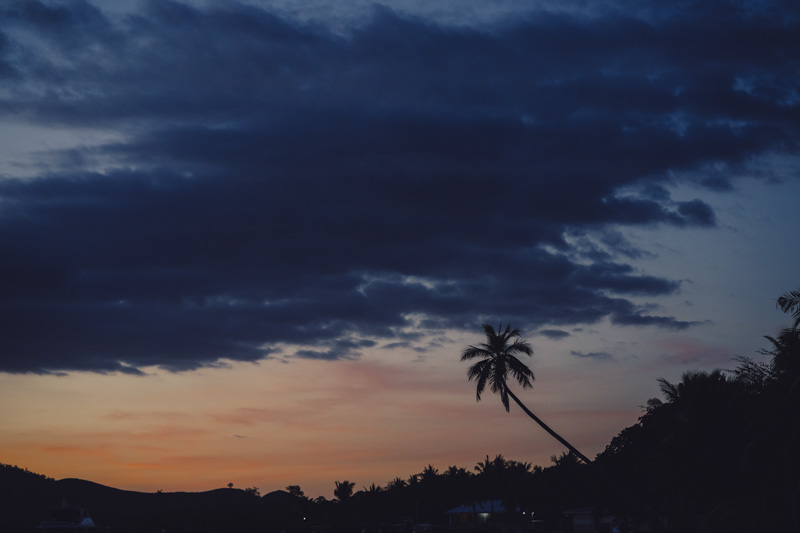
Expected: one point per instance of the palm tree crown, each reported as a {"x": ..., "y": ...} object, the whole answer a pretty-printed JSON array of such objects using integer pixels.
[{"x": 498, "y": 359}]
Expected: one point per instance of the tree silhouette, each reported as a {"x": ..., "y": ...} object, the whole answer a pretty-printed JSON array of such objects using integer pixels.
[
  {"x": 344, "y": 493},
  {"x": 459, "y": 485},
  {"x": 343, "y": 490},
  {"x": 295, "y": 491},
  {"x": 373, "y": 489},
  {"x": 429, "y": 474},
  {"x": 396, "y": 484},
  {"x": 491, "y": 472},
  {"x": 497, "y": 358},
  {"x": 694, "y": 455}
]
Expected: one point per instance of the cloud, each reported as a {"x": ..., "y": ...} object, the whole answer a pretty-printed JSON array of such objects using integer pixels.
[
  {"x": 339, "y": 349},
  {"x": 591, "y": 355},
  {"x": 273, "y": 182},
  {"x": 406, "y": 346},
  {"x": 554, "y": 334}
]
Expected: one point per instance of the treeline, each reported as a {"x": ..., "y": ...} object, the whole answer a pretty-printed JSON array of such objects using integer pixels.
[
  {"x": 427, "y": 496},
  {"x": 12, "y": 473},
  {"x": 421, "y": 498}
]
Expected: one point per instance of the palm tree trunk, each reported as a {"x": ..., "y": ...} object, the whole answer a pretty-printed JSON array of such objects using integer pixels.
[{"x": 545, "y": 427}]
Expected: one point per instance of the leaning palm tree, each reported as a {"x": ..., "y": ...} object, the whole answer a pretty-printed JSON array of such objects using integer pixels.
[{"x": 497, "y": 358}]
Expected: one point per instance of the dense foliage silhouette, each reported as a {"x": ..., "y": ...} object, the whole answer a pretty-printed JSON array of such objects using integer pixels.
[{"x": 720, "y": 452}]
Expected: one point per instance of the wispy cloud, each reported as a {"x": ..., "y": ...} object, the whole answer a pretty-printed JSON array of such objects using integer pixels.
[
  {"x": 554, "y": 334},
  {"x": 591, "y": 355}
]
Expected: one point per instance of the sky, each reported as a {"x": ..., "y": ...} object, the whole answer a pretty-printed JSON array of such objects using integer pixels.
[{"x": 247, "y": 242}]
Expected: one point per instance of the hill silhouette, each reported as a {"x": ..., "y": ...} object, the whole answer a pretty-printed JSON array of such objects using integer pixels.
[{"x": 25, "y": 497}]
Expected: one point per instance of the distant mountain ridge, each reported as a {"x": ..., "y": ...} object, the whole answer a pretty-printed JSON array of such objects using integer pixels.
[{"x": 25, "y": 496}]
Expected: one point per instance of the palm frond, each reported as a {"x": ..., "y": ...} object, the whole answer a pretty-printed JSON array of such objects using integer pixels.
[
  {"x": 480, "y": 372},
  {"x": 472, "y": 352},
  {"x": 504, "y": 399},
  {"x": 479, "y": 368},
  {"x": 790, "y": 303},
  {"x": 669, "y": 390},
  {"x": 521, "y": 373},
  {"x": 498, "y": 379},
  {"x": 520, "y": 347},
  {"x": 480, "y": 386}
]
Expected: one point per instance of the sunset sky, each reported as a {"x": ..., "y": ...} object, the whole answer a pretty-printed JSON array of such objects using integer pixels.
[{"x": 247, "y": 242}]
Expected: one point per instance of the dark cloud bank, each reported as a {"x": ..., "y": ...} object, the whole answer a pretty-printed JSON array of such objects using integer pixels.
[{"x": 280, "y": 183}]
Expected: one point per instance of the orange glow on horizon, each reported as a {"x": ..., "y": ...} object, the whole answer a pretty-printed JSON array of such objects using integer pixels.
[{"x": 368, "y": 421}]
